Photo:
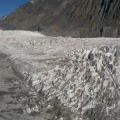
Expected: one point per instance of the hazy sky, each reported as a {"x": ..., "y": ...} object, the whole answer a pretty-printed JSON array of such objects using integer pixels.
[{"x": 7, "y": 6}]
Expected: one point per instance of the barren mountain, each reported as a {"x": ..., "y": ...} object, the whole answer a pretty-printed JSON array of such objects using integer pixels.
[{"x": 76, "y": 18}]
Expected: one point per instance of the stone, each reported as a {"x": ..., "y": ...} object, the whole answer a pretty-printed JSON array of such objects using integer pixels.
[{"x": 91, "y": 56}]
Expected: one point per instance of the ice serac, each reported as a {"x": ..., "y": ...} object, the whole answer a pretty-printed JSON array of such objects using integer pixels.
[{"x": 83, "y": 18}]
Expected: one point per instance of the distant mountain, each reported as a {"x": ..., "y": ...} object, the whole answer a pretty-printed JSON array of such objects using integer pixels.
[{"x": 76, "y": 18}]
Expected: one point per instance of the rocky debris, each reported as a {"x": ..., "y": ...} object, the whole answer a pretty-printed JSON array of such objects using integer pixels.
[
  {"x": 19, "y": 102},
  {"x": 87, "y": 87},
  {"x": 67, "y": 18}
]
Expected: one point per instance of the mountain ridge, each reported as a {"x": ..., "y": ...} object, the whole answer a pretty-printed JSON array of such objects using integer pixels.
[{"x": 74, "y": 18}]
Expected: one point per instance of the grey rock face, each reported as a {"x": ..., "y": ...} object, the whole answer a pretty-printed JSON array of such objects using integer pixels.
[{"x": 74, "y": 18}]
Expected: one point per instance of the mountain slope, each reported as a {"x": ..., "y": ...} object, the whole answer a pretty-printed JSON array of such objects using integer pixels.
[{"x": 83, "y": 18}]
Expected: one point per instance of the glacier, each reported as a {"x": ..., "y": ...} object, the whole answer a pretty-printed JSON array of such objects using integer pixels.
[{"x": 83, "y": 74}]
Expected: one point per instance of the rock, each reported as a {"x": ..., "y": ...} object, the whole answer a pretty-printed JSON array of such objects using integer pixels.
[{"x": 90, "y": 56}]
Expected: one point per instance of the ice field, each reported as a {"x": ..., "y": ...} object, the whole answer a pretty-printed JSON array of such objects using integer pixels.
[{"x": 82, "y": 73}]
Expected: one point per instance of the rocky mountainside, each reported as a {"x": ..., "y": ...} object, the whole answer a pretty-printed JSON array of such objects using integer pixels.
[{"x": 76, "y": 18}]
